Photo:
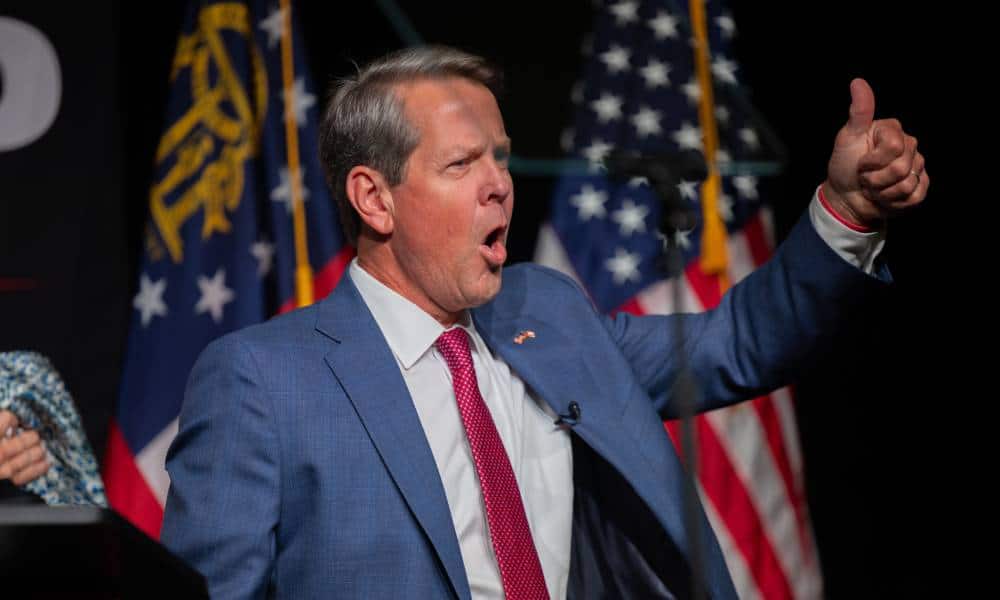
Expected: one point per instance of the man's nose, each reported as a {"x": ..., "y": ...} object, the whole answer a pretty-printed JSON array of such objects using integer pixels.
[{"x": 499, "y": 184}]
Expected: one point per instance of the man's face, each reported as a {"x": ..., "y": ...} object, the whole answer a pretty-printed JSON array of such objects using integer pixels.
[{"x": 453, "y": 208}]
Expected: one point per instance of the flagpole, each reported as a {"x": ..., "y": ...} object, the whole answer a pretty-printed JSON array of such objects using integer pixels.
[
  {"x": 714, "y": 259},
  {"x": 303, "y": 269}
]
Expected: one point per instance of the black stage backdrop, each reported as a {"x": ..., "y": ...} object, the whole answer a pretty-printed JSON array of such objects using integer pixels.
[{"x": 874, "y": 425}]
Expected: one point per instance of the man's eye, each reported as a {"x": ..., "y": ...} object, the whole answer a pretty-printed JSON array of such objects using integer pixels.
[{"x": 459, "y": 163}]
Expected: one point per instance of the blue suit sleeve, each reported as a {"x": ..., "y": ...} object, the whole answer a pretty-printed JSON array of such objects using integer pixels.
[
  {"x": 765, "y": 330},
  {"x": 222, "y": 508}
]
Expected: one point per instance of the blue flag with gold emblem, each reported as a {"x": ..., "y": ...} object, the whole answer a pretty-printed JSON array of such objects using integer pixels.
[{"x": 237, "y": 159}]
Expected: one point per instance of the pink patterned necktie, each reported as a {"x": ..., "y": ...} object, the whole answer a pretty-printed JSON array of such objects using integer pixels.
[{"x": 520, "y": 569}]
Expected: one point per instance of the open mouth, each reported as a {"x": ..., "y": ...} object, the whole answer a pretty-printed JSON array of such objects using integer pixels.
[{"x": 493, "y": 249}]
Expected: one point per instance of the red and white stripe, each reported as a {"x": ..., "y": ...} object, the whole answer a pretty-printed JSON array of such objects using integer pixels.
[{"x": 750, "y": 464}]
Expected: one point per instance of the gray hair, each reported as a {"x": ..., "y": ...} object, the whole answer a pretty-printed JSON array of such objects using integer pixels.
[{"x": 364, "y": 123}]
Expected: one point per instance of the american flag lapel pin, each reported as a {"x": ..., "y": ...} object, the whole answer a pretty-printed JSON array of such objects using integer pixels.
[{"x": 524, "y": 335}]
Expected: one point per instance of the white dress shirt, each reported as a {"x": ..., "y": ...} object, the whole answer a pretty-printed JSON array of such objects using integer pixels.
[
  {"x": 857, "y": 248},
  {"x": 540, "y": 453}
]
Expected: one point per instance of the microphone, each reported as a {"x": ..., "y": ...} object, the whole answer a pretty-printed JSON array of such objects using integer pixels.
[
  {"x": 686, "y": 165},
  {"x": 571, "y": 419},
  {"x": 665, "y": 171}
]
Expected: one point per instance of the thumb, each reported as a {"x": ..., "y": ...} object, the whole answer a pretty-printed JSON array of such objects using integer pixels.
[
  {"x": 862, "y": 107},
  {"x": 7, "y": 421}
]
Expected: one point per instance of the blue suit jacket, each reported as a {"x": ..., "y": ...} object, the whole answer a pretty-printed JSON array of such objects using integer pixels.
[{"x": 301, "y": 469}]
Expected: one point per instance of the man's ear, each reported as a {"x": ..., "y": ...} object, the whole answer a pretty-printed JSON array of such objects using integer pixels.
[{"x": 369, "y": 194}]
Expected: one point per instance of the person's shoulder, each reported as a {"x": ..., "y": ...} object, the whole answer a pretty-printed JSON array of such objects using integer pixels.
[
  {"x": 529, "y": 288},
  {"x": 292, "y": 328},
  {"x": 535, "y": 277}
]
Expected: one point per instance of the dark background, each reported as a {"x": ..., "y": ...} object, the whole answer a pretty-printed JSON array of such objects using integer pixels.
[{"x": 877, "y": 430}]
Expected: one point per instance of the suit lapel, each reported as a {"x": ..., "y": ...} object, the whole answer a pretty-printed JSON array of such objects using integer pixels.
[
  {"x": 366, "y": 369},
  {"x": 554, "y": 366},
  {"x": 610, "y": 421},
  {"x": 550, "y": 363}
]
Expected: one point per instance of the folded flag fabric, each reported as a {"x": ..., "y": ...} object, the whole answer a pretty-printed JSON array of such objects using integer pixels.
[{"x": 32, "y": 390}]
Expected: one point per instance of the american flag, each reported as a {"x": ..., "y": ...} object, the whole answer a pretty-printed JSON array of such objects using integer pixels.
[
  {"x": 220, "y": 245},
  {"x": 641, "y": 91}
]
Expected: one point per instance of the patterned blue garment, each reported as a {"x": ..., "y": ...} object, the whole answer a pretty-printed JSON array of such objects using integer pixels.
[{"x": 31, "y": 389}]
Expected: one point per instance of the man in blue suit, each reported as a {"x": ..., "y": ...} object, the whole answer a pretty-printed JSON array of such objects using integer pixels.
[{"x": 426, "y": 433}]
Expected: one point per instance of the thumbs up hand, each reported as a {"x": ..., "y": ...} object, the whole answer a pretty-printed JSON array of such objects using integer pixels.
[{"x": 875, "y": 170}]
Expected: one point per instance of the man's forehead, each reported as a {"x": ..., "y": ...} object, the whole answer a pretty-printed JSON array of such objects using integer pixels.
[
  {"x": 427, "y": 99},
  {"x": 441, "y": 86}
]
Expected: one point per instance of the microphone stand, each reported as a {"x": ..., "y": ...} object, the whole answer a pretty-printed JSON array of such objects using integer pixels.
[
  {"x": 674, "y": 218},
  {"x": 664, "y": 173}
]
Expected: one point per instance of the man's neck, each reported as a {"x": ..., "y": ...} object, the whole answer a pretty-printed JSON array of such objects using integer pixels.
[{"x": 395, "y": 281}]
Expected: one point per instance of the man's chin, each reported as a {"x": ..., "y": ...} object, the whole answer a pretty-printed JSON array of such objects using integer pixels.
[{"x": 489, "y": 287}]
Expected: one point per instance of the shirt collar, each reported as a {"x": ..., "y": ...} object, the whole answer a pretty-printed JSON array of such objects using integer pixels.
[{"x": 408, "y": 330}]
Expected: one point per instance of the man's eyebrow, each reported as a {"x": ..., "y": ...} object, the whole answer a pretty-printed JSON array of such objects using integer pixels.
[
  {"x": 446, "y": 155},
  {"x": 456, "y": 150},
  {"x": 462, "y": 149}
]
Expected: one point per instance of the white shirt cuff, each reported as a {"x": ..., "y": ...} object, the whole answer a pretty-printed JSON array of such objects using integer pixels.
[{"x": 858, "y": 248}]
